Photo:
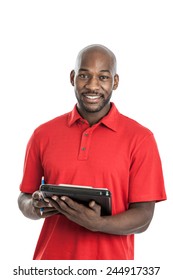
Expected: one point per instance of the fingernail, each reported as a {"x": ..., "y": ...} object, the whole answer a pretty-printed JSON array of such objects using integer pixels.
[{"x": 92, "y": 203}]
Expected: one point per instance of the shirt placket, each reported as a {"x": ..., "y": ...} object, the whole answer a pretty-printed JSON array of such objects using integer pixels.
[{"x": 85, "y": 143}]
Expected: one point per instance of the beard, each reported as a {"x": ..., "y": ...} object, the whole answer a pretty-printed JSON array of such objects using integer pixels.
[{"x": 89, "y": 108}]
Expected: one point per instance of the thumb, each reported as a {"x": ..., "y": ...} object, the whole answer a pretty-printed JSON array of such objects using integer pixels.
[{"x": 37, "y": 195}]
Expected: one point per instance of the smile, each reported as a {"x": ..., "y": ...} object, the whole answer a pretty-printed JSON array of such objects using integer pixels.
[{"x": 92, "y": 96}]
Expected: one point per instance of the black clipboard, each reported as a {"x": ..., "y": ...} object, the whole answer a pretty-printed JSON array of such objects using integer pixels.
[{"x": 81, "y": 194}]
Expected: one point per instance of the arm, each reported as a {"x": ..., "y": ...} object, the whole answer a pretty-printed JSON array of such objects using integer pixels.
[
  {"x": 135, "y": 220},
  {"x": 30, "y": 205}
]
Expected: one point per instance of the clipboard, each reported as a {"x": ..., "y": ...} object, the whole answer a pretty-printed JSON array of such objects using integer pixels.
[{"x": 81, "y": 194}]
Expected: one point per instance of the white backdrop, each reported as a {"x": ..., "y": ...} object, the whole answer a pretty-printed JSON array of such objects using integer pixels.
[{"x": 39, "y": 44}]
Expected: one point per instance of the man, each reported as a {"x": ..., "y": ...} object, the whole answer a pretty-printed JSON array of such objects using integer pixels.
[{"x": 92, "y": 145}]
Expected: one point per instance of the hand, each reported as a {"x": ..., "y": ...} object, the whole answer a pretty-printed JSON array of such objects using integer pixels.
[
  {"x": 88, "y": 217},
  {"x": 42, "y": 208}
]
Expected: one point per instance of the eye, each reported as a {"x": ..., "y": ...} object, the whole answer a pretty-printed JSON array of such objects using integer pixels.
[
  {"x": 104, "y": 78},
  {"x": 83, "y": 76}
]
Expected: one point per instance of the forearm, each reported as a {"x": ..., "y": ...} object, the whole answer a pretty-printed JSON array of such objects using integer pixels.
[
  {"x": 26, "y": 207},
  {"x": 134, "y": 220}
]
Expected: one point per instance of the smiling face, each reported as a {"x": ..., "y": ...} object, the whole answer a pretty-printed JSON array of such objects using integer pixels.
[{"x": 94, "y": 79}]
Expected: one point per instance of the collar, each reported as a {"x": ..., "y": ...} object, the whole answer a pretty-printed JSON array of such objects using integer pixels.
[{"x": 110, "y": 120}]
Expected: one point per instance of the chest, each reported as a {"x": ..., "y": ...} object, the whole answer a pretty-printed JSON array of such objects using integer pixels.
[{"x": 85, "y": 152}]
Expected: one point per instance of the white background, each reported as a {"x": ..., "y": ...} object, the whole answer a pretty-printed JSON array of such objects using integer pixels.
[{"x": 39, "y": 41}]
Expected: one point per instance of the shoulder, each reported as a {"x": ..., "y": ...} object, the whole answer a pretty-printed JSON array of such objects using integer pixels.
[
  {"x": 127, "y": 126},
  {"x": 131, "y": 126},
  {"x": 56, "y": 124},
  {"x": 134, "y": 133},
  {"x": 139, "y": 139}
]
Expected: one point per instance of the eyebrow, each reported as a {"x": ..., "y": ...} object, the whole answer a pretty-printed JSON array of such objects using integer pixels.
[
  {"x": 83, "y": 69},
  {"x": 105, "y": 71}
]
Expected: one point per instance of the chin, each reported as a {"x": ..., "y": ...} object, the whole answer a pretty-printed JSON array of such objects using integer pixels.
[{"x": 93, "y": 109}]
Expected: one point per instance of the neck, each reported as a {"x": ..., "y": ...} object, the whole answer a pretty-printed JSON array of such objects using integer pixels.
[{"x": 94, "y": 117}]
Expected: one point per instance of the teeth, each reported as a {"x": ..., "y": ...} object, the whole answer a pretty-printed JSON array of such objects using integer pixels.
[{"x": 92, "y": 97}]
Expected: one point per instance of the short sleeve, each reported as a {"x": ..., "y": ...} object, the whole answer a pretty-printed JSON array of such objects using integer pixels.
[
  {"x": 146, "y": 181},
  {"x": 32, "y": 171}
]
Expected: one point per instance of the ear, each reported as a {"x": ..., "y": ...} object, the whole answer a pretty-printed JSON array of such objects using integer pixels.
[
  {"x": 72, "y": 74},
  {"x": 116, "y": 81}
]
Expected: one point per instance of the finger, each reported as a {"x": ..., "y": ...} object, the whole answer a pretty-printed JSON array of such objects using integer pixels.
[
  {"x": 54, "y": 202},
  {"x": 69, "y": 202},
  {"x": 65, "y": 205},
  {"x": 37, "y": 195},
  {"x": 94, "y": 206},
  {"x": 40, "y": 203},
  {"x": 46, "y": 199}
]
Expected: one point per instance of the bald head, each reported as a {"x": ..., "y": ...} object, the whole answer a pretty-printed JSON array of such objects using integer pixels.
[
  {"x": 96, "y": 51},
  {"x": 94, "y": 80}
]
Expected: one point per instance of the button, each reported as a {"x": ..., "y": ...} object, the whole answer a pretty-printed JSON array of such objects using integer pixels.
[
  {"x": 83, "y": 149},
  {"x": 85, "y": 134}
]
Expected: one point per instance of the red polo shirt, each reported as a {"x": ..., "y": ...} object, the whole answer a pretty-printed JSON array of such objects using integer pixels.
[{"x": 117, "y": 153}]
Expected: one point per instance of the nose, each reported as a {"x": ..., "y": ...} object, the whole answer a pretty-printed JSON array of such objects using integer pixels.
[{"x": 93, "y": 84}]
